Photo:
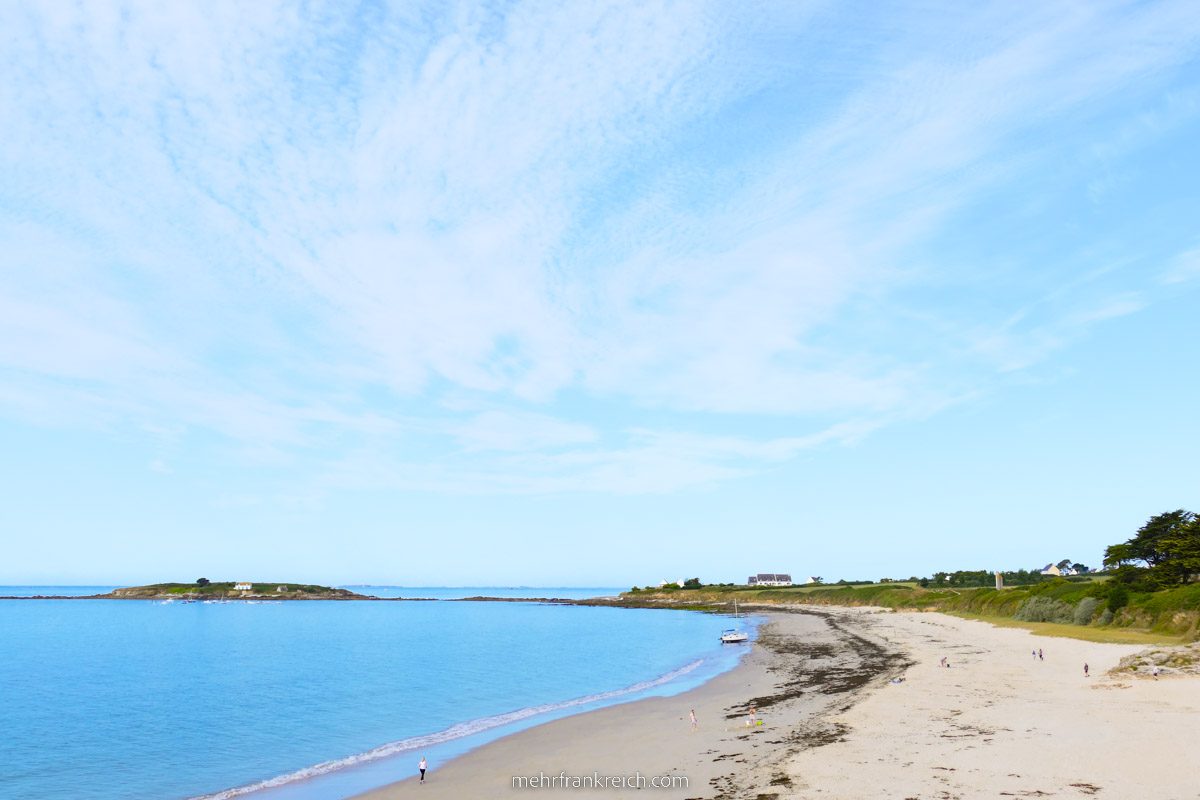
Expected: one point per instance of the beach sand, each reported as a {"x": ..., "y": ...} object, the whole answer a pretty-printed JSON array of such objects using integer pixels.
[
  {"x": 1000, "y": 723},
  {"x": 995, "y": 723}
]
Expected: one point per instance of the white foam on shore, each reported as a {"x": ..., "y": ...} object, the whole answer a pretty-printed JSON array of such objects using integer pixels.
[{"x": 456, "y": 731}]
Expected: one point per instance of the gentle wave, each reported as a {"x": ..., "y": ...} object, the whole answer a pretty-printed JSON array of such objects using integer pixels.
[{"x": 456, "y": 731}]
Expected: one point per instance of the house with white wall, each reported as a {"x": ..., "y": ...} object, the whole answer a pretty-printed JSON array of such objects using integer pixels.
[{"x": 770, "y": 579}]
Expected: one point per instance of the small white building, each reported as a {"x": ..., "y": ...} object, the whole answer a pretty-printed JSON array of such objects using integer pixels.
[
  {"x": 243, "y": 587},
  {"x": 813, "y": 580},
  {"x": 1050, "y": 569}
]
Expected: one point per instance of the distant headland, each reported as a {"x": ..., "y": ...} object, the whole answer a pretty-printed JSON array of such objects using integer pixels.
[{"x": 231, "y": 590}]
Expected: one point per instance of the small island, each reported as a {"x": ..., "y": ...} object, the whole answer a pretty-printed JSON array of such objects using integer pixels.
[{"x": 231, "y": 590}]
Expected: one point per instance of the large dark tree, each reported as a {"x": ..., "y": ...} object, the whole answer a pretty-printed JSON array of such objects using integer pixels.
[
  {"x": 1180, "y": 562},
  {"x": 1168, "y": 546}
]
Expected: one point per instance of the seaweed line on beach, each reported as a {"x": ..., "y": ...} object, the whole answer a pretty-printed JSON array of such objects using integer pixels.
[{"x": 827, "y": 673}]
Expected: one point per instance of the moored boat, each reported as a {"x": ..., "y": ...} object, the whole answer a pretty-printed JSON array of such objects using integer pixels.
[{"x": 734, "y": 635}]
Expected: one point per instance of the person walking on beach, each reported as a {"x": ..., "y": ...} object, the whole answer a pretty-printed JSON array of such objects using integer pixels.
[
  {"x": 1035, "y": 655},
  {"x": 421, "y": 765},
  {"x": 1040, "y": 655},
  {"x": 693, "y": 716},
  {"x": 1156, "y": 672},
  {"x": 1085, "y": 669}
]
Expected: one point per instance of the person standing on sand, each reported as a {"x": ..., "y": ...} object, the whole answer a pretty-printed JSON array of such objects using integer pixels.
[
  {"x": 753, "y": 719},
  {"x": 1085, "y": 668},
  {"x": 1040, "y": 654},
  {"x": 421, "y": 765},
  {"x": 693, "y": 716},
  {"x": 1156, "y": 672}
]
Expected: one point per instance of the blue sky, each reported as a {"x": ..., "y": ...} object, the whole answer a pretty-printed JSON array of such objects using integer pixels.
[{"x": 591, "y": 294}]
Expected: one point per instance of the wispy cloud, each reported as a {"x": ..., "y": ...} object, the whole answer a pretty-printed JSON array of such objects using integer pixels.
[
  {"x": 304, "y": 227},
  {"x": 1183, "y": 267}
]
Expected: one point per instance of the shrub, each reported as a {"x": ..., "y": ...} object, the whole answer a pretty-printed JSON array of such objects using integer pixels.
[
  {"x": 1118, "y": 598},
  {"x": 1106, "y": 617},
  {"x": 1045, "y": 609},
  {"x": 1084, "y": 611}
]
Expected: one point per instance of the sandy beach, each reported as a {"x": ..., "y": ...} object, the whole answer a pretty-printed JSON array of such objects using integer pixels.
[{"x": 995, "y": 722}]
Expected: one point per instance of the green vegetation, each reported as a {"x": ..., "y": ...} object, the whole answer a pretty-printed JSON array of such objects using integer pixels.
[
  {"x": 1089, "y": 634},
  {"x": 1164, "y": 553},
  {"x": 205, "y": 588},
  {"x": 1059, "y": 603},
  {"x": 1151, "y": 595}
]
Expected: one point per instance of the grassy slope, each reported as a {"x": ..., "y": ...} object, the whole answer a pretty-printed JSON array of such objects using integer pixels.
[
  {"x": 1158, "y": 617},
  {"x": 1087, "y": 633}
]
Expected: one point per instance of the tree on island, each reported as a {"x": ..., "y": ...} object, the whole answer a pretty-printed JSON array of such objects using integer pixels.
[
  {"x": 692, "y": 583},
  {"x": 202, "y": 582}
]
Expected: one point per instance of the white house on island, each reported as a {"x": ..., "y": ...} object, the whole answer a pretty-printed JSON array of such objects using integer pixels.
[
  {"x": 770, "y": 579},
  {"x": 243, "y": 587}
]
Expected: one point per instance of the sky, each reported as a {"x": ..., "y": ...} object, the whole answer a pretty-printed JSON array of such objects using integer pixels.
[{"x": 591, "y": 294}]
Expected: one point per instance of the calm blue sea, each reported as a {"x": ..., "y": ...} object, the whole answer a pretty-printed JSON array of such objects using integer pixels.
[
  {"x": 460, "y": 592},
  {"x": 108, "y": 699}
]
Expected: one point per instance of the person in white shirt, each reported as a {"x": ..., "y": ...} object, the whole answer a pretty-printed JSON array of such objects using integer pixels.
[{"x": 422, "y": 766}]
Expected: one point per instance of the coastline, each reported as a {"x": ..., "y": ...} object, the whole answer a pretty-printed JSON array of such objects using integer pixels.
[
  {"x": 997, "y": 721},
  {"x": 805, "y": 664}
]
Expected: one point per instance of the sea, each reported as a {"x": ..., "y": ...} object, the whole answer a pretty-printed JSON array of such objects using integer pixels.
[{"x": 315, "y": 700}]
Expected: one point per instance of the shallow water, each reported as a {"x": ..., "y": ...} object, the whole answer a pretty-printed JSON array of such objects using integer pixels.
[{"x": 136, "y": 699}]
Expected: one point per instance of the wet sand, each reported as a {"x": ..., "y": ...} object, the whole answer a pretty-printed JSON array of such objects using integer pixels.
[{"x": 802, "y": 666}]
